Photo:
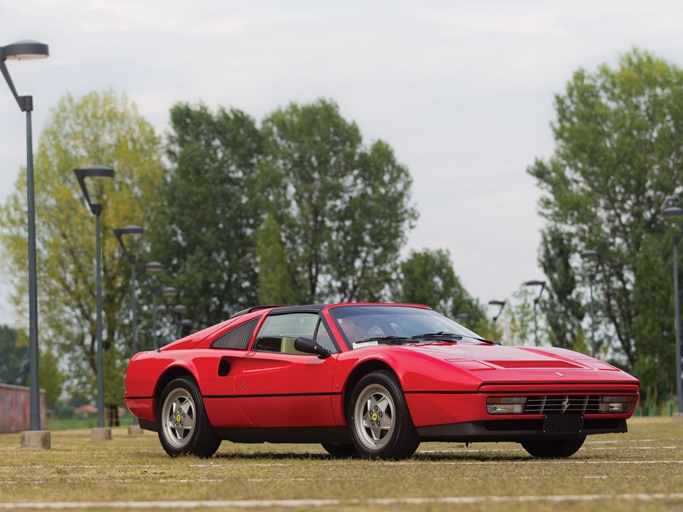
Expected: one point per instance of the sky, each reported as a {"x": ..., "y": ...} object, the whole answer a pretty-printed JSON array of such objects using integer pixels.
[{"x": 463, "y": 91}]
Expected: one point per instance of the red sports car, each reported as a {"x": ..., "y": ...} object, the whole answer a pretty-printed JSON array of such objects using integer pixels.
[{"x": 370, "y": 380}]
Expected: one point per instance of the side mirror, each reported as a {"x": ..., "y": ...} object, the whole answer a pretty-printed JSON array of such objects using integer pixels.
[{"x": 308, "y": 346}]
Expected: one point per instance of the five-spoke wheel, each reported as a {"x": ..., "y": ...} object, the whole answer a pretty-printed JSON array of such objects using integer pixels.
[
  {"x": 379, "y": 419},
  {"x": 184, "y": 427}
]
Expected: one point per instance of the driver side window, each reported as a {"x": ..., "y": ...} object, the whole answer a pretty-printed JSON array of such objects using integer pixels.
[{"x": 279, "y": 332}]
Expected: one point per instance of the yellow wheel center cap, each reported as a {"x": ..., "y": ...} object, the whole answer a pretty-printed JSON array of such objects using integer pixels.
[
  {"x": 374, "y": 416},
  {"x": 178, "y": 418}
]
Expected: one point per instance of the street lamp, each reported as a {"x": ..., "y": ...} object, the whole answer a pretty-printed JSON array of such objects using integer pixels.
[
  {"x": 166, "y": 291},
  {"x": 670, "y": 213},
  {"x": 153, "y": 267},
  {"x": 501, "y": 305},
  {"x": 26, "y": 50},
  {"x": 97, "y": 173},
  {"x": 185, "y": 322},
  {"x": 178, "y": 311},
  {"x": 120, "y": 233},
  {"x": 597, "y": 257},
  {"x": 536, "y": 301}
]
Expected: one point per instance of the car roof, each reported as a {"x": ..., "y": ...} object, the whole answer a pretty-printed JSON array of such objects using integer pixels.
[{"x": 315, "y": 308}]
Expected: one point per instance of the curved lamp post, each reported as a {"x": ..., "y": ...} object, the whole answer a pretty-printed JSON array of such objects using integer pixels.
[
  {"x": 185, "y": 322},
  {"x": 178, "y": 311},
  {"x": 501, "y": 305},
  {"x": 676, "y": 213},
  {"x": 97, "y": 172},
  {"x": 536, "y": 301},
  {"x": 27, "y": 50},
  {"x": 597, "y": 257},
  {"x": 166, "y": 291},
  {"x": 120, "y": 233}
]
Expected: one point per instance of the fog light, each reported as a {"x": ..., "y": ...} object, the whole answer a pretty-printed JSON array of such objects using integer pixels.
[
  {"x": 505, "y": 404},
  {"x": 615, "y": 404}
]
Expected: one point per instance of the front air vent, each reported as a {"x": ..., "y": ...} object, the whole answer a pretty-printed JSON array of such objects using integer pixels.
[{"x": 237, "y": 338}]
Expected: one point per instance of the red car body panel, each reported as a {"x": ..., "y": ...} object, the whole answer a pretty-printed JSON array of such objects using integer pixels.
[{"x": 443, "y": 383}]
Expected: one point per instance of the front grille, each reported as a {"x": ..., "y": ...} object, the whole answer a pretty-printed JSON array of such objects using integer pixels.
[{"x": 562, "y": 404}]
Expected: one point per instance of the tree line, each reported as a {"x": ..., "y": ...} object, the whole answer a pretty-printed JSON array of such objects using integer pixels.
[
  {"x": 298, "y": 208},
  {"x": 294, "y": 209}
]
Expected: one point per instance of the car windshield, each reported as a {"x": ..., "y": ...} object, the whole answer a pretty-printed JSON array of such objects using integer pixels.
[{"x": 397, "y": 323}]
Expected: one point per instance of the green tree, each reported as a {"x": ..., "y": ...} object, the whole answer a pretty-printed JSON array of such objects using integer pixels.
[
  {"x": 343, "y": 209},
  {"x": 51, "y": 377},
  {"x": 98, "y": 128},
  {"x": 14, "y": 360},
  {"x": 206, "y": 232},
  {"x": 618, "y": 160},
  {"x": 427, "y": 277},
  {"x": 562, "y": 302},
  {"x": 275, "y": 284}
]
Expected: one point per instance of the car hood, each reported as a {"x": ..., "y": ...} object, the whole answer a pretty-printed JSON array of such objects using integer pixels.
[{"x": 491, "y": 364}]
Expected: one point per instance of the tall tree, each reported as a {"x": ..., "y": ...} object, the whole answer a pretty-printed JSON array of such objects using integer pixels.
[
  {"x": 562, "y": 304},
  {"x": 14, "y": 360},
  {"x": 98, "y": 128},
  {"x": 427, "y": 277},
  {"x": 618, "y": 160},
  {"x": 343, "y": 209},
  {"x": 206, "y": 232}
]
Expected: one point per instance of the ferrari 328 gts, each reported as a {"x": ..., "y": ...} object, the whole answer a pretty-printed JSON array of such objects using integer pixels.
[{"x": 370, "y": 380}]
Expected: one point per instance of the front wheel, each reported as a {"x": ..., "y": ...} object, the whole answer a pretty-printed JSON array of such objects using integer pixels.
[
  {"x": 553, "y": 448},
  {"x": 184, "y": 426},
  {"x": 379, "y": 420}
]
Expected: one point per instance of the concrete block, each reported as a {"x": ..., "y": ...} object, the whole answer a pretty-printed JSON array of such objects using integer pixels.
[
  {"x": 135, "y": 430},
  {"x": 101, "y": 434},
  {"x": 39, "y": 439},
  {"x": 678, "y": 417}
]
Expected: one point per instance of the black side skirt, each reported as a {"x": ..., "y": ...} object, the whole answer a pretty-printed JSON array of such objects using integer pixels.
[{"x": 285, "y": 435}]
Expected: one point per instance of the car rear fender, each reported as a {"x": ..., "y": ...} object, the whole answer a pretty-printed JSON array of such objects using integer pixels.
[{"x": 167, "y": 376}]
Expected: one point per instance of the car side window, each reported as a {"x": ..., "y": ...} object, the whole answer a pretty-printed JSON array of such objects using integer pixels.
[
  {"x": 237, "y": 338},
  {"x": 279, "y": 332}
]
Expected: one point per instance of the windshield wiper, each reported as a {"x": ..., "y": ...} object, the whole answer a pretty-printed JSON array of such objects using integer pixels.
[
  {"x": 451, "y": 336},
  {"x": 441, "y": 335},
  {"x": 391, "y": 340}
]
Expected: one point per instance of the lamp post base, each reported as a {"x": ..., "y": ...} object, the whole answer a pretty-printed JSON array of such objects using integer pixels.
[
  {"x": 135, "y": 430},
  {"x": 101, "y": 434},
  {"x": 38, "y": 439}
]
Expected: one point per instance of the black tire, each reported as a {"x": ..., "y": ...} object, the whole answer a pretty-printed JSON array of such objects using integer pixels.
[
  {"x": 379, "y": 420},
  {"x": 341, "y": 451},
  {"x": 553, "y": 448},
  {"x": 184, "y": 427}
]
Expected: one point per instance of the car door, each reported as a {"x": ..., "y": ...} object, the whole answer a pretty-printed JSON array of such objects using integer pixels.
[{"x": 279, "y": 386}]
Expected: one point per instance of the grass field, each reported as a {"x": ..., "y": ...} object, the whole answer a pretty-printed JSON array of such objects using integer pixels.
[{"x": 641, "y": 470}]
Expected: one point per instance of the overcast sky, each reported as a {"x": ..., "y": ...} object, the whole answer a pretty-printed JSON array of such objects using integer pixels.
[{"x": 462, "y": 90}]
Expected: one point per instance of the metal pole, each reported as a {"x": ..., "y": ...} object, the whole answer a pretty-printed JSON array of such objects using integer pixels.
[
  {"x": 535, "y": 324},
  {"x": 590, "y": 286},
  {"x": 34, "y": 397},
  {"x": 154, "y": 318},
  {"x": 100, "y": 351},
  {"x": 133, "y": 299},
  {"x": 677, "y": 328}
]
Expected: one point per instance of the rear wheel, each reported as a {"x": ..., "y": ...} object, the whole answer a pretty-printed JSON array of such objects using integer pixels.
[
  {"x": 341, "y": 451},
  {"x": 553, "y": 448},
  {"x": 184, "y": 426},
  {"x": 379, "y": 420}
]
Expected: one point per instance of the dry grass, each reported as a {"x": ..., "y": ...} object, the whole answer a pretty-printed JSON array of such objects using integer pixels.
[{"x": 648, "y": 460}]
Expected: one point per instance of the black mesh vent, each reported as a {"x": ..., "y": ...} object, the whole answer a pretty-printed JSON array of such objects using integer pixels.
[{"x": 237, "y": 338}]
